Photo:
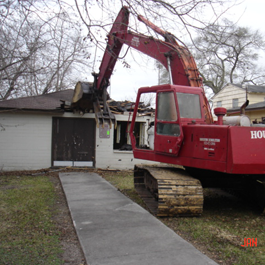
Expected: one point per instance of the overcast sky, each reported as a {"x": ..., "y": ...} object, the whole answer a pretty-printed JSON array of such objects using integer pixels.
[{"x": 125, "y": 82}]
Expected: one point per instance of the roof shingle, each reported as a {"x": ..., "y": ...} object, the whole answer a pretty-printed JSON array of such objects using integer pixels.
[{"x": 51, "y": 101}]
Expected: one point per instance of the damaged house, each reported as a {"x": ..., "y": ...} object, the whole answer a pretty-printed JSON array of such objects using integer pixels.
[{"x": 43, "y": 131}]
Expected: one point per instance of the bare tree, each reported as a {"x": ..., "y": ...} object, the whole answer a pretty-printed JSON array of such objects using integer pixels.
[
  {"x": 39, "y": 52},
  {"x": 19, "y": 43},
  {"x": 180, "y": 18},
  {"x": 227, "y": 53},
  {"x": 67, "y": 56}
]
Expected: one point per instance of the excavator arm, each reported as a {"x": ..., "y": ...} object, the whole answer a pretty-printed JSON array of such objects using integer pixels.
[
  {"x": 174, "y": 57},
  {"x": 181, "y": 63},
  {"x": 113, "y": 49}
]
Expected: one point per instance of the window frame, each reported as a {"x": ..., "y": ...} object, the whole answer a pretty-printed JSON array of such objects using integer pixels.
[
  {"x": 219, "y": 104},
  {"x": 120, "y": 137},
  {"x": 235, "y": 103}
]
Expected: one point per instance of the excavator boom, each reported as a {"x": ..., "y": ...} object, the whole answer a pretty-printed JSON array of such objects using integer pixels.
[
  {"x": 113, "y": 48},
  {"x": 175, "y": 58}
]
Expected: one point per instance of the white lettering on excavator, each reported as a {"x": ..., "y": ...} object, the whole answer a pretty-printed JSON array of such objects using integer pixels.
[
  {"x": 257, "y": 134},
  {"x": 208, "y": 149},
  {"x": 209, "y": 141},
  {"x": 135, "y": 41}
]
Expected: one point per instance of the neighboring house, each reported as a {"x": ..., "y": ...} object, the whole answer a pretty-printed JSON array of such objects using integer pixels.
[
  {"x": 37, "y": 132},
  {"x": 233, "y": 96}
]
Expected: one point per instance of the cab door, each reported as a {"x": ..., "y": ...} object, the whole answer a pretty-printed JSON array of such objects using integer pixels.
[{"x": 168, "y": 131}]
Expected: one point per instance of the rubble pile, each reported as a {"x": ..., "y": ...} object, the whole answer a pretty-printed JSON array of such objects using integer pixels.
[{"x": 120, "y": 107}]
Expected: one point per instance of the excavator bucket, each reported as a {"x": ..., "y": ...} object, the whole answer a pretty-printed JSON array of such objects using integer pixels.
[{"x": 85, "y": 100}]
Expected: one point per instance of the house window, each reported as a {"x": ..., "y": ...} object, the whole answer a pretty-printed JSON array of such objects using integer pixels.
[
  {"x": 122, "y": 139},
  {"x": 219, "y": 104},
  {"x": 235, "y": 103}
]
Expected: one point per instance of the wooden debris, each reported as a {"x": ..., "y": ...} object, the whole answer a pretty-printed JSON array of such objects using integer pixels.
[
  {"x": 120, "y": 107},
  {"x": 115, "y": 107}
]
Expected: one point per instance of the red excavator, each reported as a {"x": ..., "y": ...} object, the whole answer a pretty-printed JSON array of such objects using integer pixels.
[{"x": 194, "y": 151}]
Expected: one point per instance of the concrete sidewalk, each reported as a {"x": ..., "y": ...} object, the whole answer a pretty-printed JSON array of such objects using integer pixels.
[{"x": 114, "y": 230}]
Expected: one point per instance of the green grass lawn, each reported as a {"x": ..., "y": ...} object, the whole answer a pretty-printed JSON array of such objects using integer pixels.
[{"x": 27, "y": 231}]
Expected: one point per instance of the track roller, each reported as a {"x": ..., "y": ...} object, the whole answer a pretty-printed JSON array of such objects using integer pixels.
[{"x": 168, "y": 191}]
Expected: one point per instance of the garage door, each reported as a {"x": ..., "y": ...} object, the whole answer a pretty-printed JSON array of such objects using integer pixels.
[{"x": 73, "y": 142}]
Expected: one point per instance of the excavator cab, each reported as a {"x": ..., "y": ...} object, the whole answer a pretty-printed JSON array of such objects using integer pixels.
[
  {"x": 168, "y": 191},
  {"x": 174, "y": 106}
]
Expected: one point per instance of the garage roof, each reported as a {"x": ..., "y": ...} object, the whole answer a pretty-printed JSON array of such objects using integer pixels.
[{"x": 47, "y": 102}]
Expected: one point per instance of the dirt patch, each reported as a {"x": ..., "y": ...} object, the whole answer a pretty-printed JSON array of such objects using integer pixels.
[
  {"x": 72, "y": 251},
  {"x": 225, "y": 235}
]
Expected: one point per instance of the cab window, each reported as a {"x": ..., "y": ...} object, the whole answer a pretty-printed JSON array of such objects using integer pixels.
[{"x": 189, "y": 105}]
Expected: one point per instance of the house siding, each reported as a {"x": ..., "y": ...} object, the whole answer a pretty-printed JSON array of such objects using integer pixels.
[
  {"x": 256, "y": 97},
  {"x": 227, "y": 94},
  {"x": 256, "y": 115},
  {"x": 230, "y": 92},
  {"x": 25, "y": 141}
]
